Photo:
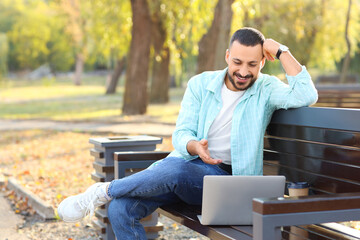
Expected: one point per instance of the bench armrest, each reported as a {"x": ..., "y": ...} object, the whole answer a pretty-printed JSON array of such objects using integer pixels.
[
  {"x": 313, "y": 203},
  {"x": 269, "y": 214},
  {"x": 142, "y": 159},
  {"x": 140, "y": 155}
]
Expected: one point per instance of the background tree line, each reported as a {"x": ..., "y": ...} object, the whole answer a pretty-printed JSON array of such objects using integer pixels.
[{"x": 163, "y": 42}]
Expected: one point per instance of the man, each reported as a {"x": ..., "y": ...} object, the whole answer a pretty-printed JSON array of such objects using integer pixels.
[{"x": 219, "y": 131}]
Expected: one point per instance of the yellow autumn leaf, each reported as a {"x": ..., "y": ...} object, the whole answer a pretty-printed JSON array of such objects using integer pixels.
[{"x": 174, "y": 225}]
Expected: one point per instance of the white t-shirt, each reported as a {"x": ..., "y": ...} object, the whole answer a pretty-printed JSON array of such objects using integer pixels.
[{"x": 220, "y": 130}]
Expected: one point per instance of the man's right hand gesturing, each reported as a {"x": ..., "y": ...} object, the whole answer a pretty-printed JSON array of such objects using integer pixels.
[{"x": 201, "y": 148}]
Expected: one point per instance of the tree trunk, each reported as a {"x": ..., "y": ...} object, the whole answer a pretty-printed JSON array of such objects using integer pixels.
[
  {"x": 159, "y": 91},
  {"x": 160, "y": 79},
  {"x": 135, "y": 96},
  {"x": 79, "y": 66},
  {"x": 224, "y": 34},
  {"x": 213, "y": 44},
  {"x": 207, "y": 44},
  {"x": 119, "y": 68},
  {"x": 346, "y": 63}
]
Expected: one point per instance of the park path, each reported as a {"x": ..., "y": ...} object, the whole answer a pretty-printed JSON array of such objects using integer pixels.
[
  {"x": 9, "y": 221},
  {"x": 121, "y": 128}
]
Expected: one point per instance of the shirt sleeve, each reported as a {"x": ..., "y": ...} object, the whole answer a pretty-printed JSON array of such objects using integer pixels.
[
  {"x": 300, "y": 91},
  {"x": 188, "y": 119}
]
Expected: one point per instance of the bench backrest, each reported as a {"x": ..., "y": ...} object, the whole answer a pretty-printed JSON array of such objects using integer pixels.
[
  {"x": 344, "y": 96},
  {"x": 317, "y": 145},
  {"x": 336, "y": 79}
]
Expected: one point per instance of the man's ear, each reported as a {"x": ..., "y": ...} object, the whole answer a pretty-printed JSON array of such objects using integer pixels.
[
  {"x": 227, "y": 54},
  {"x": 262, "y": 63}
]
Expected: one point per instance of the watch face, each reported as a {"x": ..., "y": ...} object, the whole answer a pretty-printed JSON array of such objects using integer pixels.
[{"x": 283, "y": 48}]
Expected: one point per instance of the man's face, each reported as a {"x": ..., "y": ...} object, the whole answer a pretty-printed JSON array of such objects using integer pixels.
[{"x": 244, "y": 65}]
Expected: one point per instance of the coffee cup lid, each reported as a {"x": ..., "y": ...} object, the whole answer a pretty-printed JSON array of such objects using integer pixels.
[{"x": 298, "y": 185}]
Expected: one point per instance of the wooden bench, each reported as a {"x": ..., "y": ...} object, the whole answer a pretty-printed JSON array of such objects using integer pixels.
[
  {"x": 335, "y": 79},
  {"x": 339, "y": 96},
  {"x": 317, "y": 145}
]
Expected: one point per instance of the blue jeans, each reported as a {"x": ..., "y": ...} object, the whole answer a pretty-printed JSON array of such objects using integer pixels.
[{"x": 137, "y": 196}]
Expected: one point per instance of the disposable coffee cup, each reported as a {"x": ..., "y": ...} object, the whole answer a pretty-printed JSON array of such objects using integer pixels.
[{"x": 297, "y": 189}]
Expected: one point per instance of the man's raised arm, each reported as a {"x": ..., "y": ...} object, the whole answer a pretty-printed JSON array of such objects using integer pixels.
[{"x": 271, "y": 48}]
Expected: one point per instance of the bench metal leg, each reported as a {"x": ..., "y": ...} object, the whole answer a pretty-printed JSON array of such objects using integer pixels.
[
  {"x": 109, "y": 233},
  {"x": 268, "y": 226},
  {"x": 121, "y": 166},
  {"x": 264, "y": 228}
]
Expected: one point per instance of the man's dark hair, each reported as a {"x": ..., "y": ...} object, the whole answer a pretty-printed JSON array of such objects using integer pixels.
[{"x": 247, "y": 36}]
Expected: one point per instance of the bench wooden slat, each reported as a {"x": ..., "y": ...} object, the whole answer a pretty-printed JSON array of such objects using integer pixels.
[
  {"x": 339, "y": 96},
  {"x": 99, "y": 226},
  {"x": 187, "y": 216},
  {"x": 327, "y": 233},
  {"x": 139, "y": 156},
  {"x": 248, "y": 230},
  {"x": 339, "y": 170},
  {"x": 321, "y": 135},
  {"x": 328, "y": 118},
  {"x": 351, "y": 105},
  {"x": 100, "y": 167},
  {"x": 288, "y": 157},
  {"x": 97, "y": 177},
  {"x": 97, "y": 153},
  {"x": 319, "y": 183},
  {"x": 350, "y": 155},
  {"x": 307, "y": 233},
  {"x": 342, "y": 100}
]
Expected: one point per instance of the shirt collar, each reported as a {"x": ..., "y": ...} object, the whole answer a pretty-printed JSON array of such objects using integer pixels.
[{"x": 216, "y": 84}]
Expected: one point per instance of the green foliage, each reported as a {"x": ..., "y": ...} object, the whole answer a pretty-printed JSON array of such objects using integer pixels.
[
  {"x": 313, "y": 30},
  {"x": 61, "y": 54},
  {"x": 185, "y": 23},
  {"x": 10, "y": 10},
  {"x": 4, "y": 48},
  {"x": 37, "y": 37},
  {"x": 242, "y": 11},
  {"x": 29, "y": 36},
  {"x": 330, "y": 45},
  {"x": 77, "y": 16},
  {"x": 53, "y": 32},
  {"x": 111, "y": 28}
]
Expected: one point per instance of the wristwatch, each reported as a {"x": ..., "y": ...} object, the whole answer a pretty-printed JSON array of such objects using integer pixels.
[{"x": 282, "y": 48}]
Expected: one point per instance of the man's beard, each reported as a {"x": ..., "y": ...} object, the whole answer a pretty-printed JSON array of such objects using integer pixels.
[{"x": 244, "y": 86}]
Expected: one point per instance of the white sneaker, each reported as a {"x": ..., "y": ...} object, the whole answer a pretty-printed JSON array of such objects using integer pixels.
[{"x": 74, "y": 208}]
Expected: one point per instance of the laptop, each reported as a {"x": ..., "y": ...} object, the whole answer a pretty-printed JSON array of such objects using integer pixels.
[{"x": 227, "y": 200}]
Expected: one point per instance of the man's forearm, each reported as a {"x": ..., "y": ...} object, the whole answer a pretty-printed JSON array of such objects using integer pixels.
[
  {"x": 291, "y": 66},
  {"x": 191, "y": 147}
]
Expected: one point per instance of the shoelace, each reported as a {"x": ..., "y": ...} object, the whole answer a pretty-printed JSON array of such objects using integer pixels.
[{"x": 87, "y": 204}]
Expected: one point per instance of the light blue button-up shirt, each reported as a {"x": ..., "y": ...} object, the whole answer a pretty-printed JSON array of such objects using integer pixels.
[{"x": 202, "y": 103}]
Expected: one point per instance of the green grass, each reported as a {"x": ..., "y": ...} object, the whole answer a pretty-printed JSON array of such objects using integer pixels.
[
  {"x": 17, "y": 94},
  {"x": 60, "y": 100}
]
